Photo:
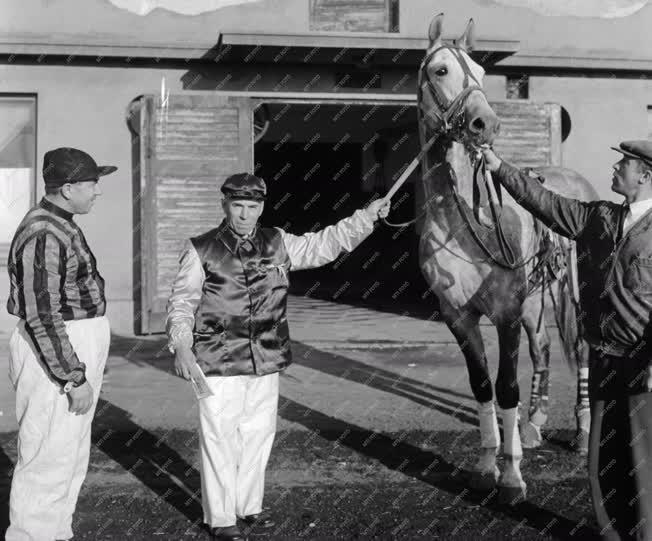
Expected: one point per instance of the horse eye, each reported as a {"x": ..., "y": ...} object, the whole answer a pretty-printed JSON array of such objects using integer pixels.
[{"x": 441, "y": 72}]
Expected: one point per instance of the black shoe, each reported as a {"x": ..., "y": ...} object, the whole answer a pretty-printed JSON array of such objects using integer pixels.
[
  {"x": 259, "y": 520},
  {"x": 228, "y": 533}
]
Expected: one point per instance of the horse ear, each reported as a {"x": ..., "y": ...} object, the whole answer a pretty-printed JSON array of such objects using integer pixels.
[
  {"x": 467, "y": 40},
  {"x": 434, "y": 32}
]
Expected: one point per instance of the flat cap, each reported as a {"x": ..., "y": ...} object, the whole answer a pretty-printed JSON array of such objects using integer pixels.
[
  {"x": 245, "y": 186},
  {"x": 641, "y": 150}
]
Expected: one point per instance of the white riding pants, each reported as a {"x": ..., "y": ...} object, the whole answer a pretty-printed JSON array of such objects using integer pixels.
[
  {"x": 53, "y": 443},
  {"x": 237, "y": 429}
]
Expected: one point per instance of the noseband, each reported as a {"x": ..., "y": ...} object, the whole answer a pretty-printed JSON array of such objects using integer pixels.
[{"x": 449, "y": 112}]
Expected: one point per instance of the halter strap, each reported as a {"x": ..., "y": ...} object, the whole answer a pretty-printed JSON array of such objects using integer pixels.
[{"x": 447, "y": 113}]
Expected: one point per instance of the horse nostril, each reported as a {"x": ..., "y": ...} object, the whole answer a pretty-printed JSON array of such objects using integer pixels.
[
  {"x": 477, "y": 125},
  {"x": 497, "y": 126}
]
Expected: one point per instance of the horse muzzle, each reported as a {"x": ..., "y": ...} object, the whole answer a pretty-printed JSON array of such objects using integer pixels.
[
  {"x": 483, "y": 128},
  {"x": 481, "y": 122}
]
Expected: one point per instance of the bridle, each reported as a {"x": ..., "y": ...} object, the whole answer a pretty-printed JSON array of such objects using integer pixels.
[
  {"x": 451, "y": 116},
  {"x": 449, "y": 112}
]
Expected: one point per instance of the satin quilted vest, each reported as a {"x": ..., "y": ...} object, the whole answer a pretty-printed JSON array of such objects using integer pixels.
[{"x": 241, "y": 325}]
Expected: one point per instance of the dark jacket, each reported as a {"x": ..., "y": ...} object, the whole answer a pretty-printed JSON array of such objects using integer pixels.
[
  {"x": 240, "y": 324},
  {"x": 615, "y": 274}
]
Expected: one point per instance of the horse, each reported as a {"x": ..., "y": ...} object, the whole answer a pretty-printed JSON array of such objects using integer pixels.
[{"x": 496, "y": 261}]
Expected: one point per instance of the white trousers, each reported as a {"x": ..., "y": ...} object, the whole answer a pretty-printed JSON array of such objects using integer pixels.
[
  {"x": 237, "y": 428},
  {"x": 53, "y": 444}
]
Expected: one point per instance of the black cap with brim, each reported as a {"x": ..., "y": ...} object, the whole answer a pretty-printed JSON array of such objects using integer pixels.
[
  {"x": 639, "y": 150},
  {"x": 68, "y": 165},
  {"x": 103, "y": 170}
]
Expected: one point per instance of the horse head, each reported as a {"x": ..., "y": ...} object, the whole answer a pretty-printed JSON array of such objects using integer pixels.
[{"x": 450, "y": 95}]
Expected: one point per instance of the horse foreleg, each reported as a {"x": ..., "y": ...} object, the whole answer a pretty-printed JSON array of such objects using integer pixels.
[
  {"x": 539, "y": 341},
  {"x": 466, "y": 330},
  {"x": 511, "y": 487}
]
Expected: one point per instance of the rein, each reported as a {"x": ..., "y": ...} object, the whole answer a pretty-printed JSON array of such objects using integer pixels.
[{"x": 508, "y": 260}]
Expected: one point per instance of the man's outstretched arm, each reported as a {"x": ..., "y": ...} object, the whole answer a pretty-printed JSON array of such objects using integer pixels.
[
  {"x": 322, "y": 247},
  {"x": 563, "y": 215}
]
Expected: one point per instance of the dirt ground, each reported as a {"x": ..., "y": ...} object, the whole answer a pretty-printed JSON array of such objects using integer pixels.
[
  {"x": 340, "y": 484},
  {"x": 376, "y": 437}
]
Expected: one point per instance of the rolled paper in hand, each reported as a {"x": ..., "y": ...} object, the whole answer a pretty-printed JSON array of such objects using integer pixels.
[{"x": 199, "y": 382}]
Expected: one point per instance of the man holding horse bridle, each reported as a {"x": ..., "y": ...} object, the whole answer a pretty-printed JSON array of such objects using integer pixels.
[
  {"x": 227, "y": 312},
  {"x": 614, "y": 244}
]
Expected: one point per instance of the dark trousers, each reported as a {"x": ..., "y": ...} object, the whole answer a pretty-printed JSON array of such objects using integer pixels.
[{"x": 620, "y": 448}]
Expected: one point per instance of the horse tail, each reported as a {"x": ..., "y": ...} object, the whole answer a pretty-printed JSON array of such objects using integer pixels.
[{"x": 566, "y": 309}]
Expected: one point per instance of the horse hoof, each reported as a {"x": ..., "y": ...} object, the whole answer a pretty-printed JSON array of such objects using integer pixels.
[
  {"x": 580, "y": 443},
  {"x": 483, "y": 481},
  {"x": 531, "y": 436},
  {"x": 511, "y": 495}
]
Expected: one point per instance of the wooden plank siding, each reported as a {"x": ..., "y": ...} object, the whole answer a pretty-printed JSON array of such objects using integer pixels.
[
  {"x": 352, "y": 16},
  {"x": 530, "y": 133},
  {"x": 192, "y": 145}
]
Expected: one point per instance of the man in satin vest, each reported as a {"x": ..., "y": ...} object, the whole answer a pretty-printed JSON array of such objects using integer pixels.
[{"x": 227, "y": 313}]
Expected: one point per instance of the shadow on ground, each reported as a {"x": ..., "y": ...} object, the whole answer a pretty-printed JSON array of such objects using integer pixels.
[
  {"x": 436, "y": 468},
  {"x": 427, "y": 466},
  {"x": 149, "y": 458}
]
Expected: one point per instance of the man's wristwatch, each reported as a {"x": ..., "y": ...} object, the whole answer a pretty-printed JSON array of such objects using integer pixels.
[{"x": 68, "y": 387}]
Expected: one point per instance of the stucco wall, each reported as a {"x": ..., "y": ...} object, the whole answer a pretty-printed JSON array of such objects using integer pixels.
[
  {"x": 603, "y": 112},
  {"x": 99, "y": 20},
  {"x": 85, "y": 108}
]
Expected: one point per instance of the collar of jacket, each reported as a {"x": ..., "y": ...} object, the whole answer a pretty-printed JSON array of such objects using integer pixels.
[
  {"x": 641, "y": 225},
  {"x": 233, "y": 241},
  {"x": 48, "y": 205}
]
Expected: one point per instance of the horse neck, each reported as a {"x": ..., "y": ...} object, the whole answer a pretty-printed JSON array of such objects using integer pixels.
[{"x": 447, "y": 167}]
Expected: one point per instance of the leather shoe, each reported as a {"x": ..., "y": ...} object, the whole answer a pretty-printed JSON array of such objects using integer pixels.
[
  {"x": 259, "y": 520},
  {"x": 228, "y": 533}
]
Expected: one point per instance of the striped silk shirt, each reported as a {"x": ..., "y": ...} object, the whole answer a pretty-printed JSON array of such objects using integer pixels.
[{"x": 53, "y": 278}]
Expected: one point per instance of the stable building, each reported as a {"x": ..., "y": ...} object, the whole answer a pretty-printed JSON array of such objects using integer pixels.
[{"x": 316, "y": 97}]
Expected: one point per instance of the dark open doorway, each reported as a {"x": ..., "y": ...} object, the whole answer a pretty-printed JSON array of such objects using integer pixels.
[{"x": 321, "y": 163}]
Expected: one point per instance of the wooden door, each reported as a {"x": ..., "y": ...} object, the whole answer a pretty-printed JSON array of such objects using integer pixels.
[{"x": 188, "y": 147}]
